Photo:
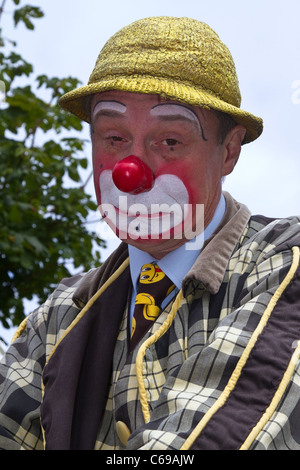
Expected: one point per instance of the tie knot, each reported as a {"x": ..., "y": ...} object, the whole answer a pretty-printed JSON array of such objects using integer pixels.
[
  {"x": 151, "y": 273},
  {"x": 154, "y": 281}
]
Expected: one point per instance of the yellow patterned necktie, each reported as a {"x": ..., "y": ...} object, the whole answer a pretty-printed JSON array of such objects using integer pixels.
[{"x": 153, "y": 287}]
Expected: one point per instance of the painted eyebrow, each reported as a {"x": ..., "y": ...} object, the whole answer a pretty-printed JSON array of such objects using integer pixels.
[
  {"x": 167, "y": 111},
  {"x": 108, "y": 108}
]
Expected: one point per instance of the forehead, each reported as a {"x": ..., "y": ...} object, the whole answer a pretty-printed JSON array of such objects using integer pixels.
[
  {"x": 156, "y": 105},
  {"x": 125, "y": 97}
]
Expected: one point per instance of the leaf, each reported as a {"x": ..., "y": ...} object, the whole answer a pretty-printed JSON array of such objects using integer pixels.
[
  {"x": 25, "y": 261},
  {"x": 14, "y": 214},
  {"x": 83, "y": 162},
  {"x": 35, "y": 243},
  {"x": 25, "y": 14}
]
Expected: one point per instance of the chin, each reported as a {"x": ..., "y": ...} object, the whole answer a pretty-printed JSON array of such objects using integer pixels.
[{"x": 156, "y": 248}]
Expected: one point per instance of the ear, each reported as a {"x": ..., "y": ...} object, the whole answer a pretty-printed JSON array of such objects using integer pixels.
[{"x": 232, "y": 148}]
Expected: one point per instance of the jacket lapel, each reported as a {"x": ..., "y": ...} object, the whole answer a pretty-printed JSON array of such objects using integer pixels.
[{"x": 77, "y": 374}]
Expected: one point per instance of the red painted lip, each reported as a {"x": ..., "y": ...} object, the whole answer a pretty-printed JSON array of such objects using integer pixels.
[{"x": 148, "y": 216}]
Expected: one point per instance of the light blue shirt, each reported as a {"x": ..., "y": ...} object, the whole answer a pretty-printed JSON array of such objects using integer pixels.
[{"x": 177, "y": 263}]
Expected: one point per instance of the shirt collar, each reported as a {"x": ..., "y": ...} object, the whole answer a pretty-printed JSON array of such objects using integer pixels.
[{"x": 177, "y": 263}]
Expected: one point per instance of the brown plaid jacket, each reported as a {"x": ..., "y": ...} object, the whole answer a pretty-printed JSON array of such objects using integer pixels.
[{"x": 219, "y": 369}]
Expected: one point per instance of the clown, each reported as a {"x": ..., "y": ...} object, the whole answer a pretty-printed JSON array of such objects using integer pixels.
[
  {"x": 159, "y": 150},
  {"x": 217, "y": 366}
]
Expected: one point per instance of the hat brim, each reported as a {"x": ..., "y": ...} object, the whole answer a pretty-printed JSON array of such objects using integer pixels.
[{"x": 76, "y": 100}]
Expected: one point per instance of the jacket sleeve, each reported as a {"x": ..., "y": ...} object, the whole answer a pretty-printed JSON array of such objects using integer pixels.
[
  {"x": 20, "y": 384},
  {"x": 240, "y": 387},
  {"x": 23, "y": 364}
]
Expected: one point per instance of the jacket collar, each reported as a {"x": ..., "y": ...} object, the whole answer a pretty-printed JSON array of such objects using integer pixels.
[
  {"x": 210, "y": 266},
  {"x": 94, "y": 279}
]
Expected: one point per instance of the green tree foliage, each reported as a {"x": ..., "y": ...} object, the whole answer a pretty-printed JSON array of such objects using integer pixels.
[{"x": 43, "y": 203}]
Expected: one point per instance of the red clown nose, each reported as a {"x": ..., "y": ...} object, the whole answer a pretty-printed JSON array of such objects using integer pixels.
[{"x": 131, "y": 175}]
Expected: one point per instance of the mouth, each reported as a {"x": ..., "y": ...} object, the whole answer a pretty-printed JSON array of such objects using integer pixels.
[
  {"x": 141, "y": 224},
  {"x": 155, "y": 214},
  {"x": 134, "y": 213}
]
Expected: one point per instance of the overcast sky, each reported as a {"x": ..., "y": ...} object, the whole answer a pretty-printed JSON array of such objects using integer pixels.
[{"x": 264, "y": 39}]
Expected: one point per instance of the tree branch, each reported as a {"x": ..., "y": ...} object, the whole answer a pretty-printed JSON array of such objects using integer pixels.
[
  {"x": 2, "y": 8},
  {"x": 87, "y": 180}
]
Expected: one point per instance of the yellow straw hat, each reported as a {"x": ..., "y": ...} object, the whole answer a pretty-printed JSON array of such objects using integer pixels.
[{"x": 180, "y": 58}]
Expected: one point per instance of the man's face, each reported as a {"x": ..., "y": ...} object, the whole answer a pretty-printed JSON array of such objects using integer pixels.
[{"x": 179, "y": 143}]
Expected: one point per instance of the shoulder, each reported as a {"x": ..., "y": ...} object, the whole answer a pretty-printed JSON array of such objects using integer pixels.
[
  {"x": 51, "y": 319},
  {"x": 278, "y": 234},
  {"x": 78, "y": 289},
  {"x": 267, "y": 246}
]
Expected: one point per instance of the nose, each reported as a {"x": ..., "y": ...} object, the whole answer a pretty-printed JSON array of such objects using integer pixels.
[{"x": 132, "y": 175}]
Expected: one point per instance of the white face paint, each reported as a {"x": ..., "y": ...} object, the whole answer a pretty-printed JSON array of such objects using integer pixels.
[
  {"x": 156, "y": 213},
  {"x": 103, "y": 106},
  {"x": 151, "y": 214},
  {"x": 174, "y": 110}
]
